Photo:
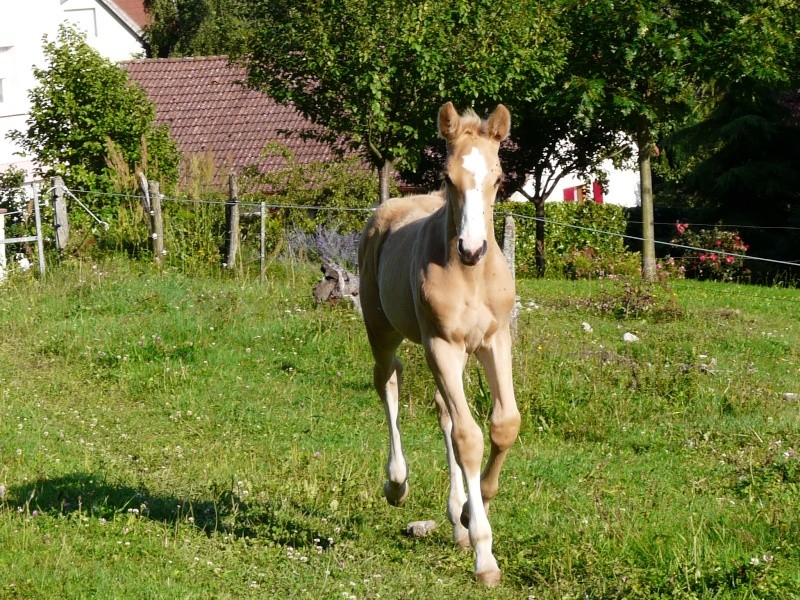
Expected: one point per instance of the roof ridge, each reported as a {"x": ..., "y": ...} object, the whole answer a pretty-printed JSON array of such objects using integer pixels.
[{"x": 211, "y": 58}]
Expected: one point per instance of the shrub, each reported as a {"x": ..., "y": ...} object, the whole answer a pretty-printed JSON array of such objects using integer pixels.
[
  {"x": 571, "y": 249},
  {"x": 89, "y": 124},
  {"x": 711, "y": 253},
  {"x": 339, "y": 190},
  {"x": 12, "y": 194}
]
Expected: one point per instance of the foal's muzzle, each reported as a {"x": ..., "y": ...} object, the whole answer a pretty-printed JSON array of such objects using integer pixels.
[{"x": 471, "y": 257}]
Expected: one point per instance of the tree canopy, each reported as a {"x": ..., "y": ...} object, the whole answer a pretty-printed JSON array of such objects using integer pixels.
[
  {"x": 378, "y": 74},
  {"x": 198, "y": 27}
]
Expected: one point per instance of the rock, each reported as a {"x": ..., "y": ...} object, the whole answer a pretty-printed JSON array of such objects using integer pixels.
[
  {"x": 586, "y": 327},
  {"x": 420, "y": 529},
  {"x": 630, "y": 337},
  {"x": 791, "y": 396}
]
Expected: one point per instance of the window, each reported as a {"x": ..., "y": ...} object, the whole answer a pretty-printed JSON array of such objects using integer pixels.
[{"x": 84, "y": 19}]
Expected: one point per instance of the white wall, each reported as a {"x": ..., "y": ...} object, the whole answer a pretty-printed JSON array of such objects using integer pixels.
[
  {"x": 23, "y": 23},
  {"x": 623, "y": 186}
]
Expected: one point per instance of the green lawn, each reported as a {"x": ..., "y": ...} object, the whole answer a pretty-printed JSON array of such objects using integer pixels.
[{"x": 164, "y": 436}]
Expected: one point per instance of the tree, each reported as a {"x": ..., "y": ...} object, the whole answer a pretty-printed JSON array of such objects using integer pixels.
[
  {"x": 198, "y": 27},
  {"x": 632, "y": 54},
  {"x": 551, "y": 141},
  {"x": 743, "y": 156},
  {"x": 83, "y": 111},
  {"x": 377, "y": 73},
  {"x": 652, "y": 62}
]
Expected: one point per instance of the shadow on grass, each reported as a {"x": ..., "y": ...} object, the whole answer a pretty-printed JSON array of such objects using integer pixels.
[{"x": 224, "y": 512}]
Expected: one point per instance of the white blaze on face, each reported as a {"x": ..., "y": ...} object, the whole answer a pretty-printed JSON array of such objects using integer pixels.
[{"x": 473, "y": 225}]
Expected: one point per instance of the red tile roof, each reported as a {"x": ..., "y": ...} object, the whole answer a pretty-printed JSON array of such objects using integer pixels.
[
  {"x": 209, "y": 110},
  {"x": 135, "y": 10}
]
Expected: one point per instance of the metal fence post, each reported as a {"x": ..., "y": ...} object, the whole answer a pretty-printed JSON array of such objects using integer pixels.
[
  {"x": 38, "y": 219},
  {"x": 232, "y": 222}
]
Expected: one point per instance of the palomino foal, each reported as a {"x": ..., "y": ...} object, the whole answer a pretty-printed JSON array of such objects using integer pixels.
[{"x": 432, "y": 272}]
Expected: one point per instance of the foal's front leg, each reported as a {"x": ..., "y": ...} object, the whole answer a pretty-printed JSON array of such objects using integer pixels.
[
  {"x": 446, "y": 362},
  {"x": 505, "y": 420}
]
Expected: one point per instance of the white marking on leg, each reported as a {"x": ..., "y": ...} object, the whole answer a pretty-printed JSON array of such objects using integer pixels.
[
  {"x": 480, "y": 531},
  {"x": 396, "y": 488},
  {"x": 457, "y": 496}
]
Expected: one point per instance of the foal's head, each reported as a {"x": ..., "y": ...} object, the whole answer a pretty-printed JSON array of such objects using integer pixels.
[{"x": 472, "y": 174}]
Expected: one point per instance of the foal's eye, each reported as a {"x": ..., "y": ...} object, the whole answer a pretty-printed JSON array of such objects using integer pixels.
[{"x": 499, "y": 181}]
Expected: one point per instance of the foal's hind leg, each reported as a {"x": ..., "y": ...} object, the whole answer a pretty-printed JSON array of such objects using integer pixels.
[
  {"x": 388, "y": 378},
  {"x": 457, "y": 496}
]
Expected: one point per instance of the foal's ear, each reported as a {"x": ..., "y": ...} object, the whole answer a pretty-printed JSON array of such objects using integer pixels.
[
  {"x": 448, "y": 122},
  {"x": 499, "y": 124}
]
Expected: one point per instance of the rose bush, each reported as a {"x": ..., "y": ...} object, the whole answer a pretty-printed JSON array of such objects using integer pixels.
[{"x": 715, "y": 254}]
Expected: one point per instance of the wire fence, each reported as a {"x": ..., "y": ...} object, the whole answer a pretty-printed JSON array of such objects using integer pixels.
[
  {"x": 661, "y": 242},
  {"x": 303, "y": 224}
]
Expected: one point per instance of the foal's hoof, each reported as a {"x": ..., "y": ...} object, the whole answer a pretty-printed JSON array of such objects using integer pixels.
[
  {"x": 489, "y": 578},
  {"x": 395, "y": 493},
  {"x": 461, "y": 540},
  {"x": 465, "y": 515}
]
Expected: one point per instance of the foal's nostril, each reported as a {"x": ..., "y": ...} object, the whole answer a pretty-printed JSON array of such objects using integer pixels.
[{"x": 471, "y": 257}]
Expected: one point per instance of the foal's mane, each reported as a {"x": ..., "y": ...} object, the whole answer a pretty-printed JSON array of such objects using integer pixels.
[{"x": 471, "y": 123}]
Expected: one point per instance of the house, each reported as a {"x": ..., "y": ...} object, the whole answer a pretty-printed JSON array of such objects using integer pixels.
[
  {"x": 622, "y": 187},
  {"x": 113, "y": 28},
  {"x": 212, "y": 113}
]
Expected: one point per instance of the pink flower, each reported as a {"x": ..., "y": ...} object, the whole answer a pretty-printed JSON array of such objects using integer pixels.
[
  {"x": 702, "y": 257},
  {"x": 728, "y": 259},
  {"x": 713, "y": 257},
  {"x": 681, "y": 227},
  {"x": 718, "y": 243}
]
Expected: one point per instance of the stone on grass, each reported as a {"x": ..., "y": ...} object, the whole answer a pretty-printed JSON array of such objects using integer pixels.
[{"x": 420, "y": 529}]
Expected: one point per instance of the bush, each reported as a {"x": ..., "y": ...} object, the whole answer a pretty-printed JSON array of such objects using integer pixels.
[
  {"x": 340, "y": 192},
  {"x": 711, "y": 254},
  {"x": 89, "y": 124},
  {"x": 12, "y": 194},
  {"x": 571, "y": 249}
]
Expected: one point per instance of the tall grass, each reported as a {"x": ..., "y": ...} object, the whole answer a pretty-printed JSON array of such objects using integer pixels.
[{"x": 173, "y": 436}]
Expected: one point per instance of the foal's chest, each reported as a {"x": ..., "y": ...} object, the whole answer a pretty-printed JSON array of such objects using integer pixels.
[{"x": 465, "y": 312}]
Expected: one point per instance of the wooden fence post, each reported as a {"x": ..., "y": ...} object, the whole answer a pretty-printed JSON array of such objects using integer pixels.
[
  {"x": 509, "y": 243},
  {"x": 157, "y": 222},
  {"x": 60, "y": 220},
  {"x": 232, "y": 222},
  {"x": 509, "y": 250},
  {"x": 144, "y": 200}
]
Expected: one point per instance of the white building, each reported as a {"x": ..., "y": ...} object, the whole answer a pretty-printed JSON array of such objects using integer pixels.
[
  {"x": 113, "y": 28},
  {"x": 622, "y": 187}
]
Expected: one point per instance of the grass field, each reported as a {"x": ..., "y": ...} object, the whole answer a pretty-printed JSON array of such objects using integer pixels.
[{"x": 172, "y": 437}]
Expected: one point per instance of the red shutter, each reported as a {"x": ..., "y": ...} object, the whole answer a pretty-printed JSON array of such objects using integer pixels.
[
  {"x": 569, "y": 194},
  {"x": 597, "y": 192}
]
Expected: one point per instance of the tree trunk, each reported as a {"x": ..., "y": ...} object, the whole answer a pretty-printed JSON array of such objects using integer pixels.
[
  {"x": 644, "y": 145},
  {"x": 385, "y": 178},
  {"x": 541, "y": 258}
]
